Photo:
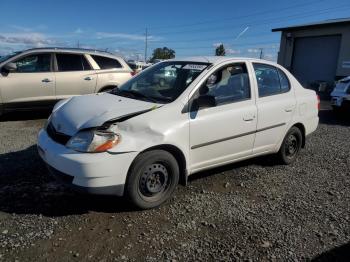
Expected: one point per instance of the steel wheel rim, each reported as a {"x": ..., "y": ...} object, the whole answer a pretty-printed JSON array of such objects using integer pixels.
[
  {"x": 154, "y": 180},
  {"x": 291, "y": 145}
]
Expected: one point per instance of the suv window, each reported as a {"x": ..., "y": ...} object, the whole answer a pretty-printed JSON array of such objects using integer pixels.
[
  {"x": 106, "y": 62},
  {"x": 271, "y": 81},
  {"x": 34, "y": 63},
  {"x": 72, "y": 62},
  {"x": 229, "y": 84}
]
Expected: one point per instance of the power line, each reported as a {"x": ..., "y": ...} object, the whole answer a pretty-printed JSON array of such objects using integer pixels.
[
  {"x": 240, "y": 17},
  {"x": 217, "y": 38},
  {"x": 271, "y": 45},
  {"x": 258, "y": 22}
]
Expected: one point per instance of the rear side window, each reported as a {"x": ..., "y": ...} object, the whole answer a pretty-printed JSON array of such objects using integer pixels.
[
  {"x": 285, "y": 86},
  {"x": 34, "y": 63},
  {"x": 106, "y": 62},
  {"x": 72, "y": 62},
  {"x": 271, "y": 81}
]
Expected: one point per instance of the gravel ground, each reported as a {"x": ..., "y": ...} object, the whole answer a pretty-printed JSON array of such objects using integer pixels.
[{"x": 251, "y": 211}]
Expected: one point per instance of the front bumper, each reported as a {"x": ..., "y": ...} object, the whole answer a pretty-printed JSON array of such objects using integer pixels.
[{"x": 97, "y": 173}]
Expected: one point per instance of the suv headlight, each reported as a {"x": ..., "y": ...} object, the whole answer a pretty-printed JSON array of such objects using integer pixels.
[{"x": 93, "y": 141}]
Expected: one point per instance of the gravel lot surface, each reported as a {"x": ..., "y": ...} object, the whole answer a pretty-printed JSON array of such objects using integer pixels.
[{"x": 256, "y": 210}]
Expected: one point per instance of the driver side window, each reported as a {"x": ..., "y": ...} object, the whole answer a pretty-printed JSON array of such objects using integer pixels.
[
  {"x": 229, "y": 84},
  {"x": 34, "y": 63}
]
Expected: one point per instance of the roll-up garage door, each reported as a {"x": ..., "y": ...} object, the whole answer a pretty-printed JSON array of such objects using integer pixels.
[{"x": 315, "y": 58}]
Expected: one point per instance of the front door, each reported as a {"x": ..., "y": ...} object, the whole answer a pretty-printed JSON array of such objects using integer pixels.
[
  {"x": 224, "y": 132},
  {"x": 74, "y": 76},
  {"x": 31, "y": 84}
]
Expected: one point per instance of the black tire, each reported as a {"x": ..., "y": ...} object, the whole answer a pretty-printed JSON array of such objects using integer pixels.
[
  {"x": 291, "y": 146},
  {"x": 152, "y": 179}
]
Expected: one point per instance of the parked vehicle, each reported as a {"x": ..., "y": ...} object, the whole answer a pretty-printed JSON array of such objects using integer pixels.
[
  {"x": 140, "y": 140},
  {"x": 42, "y": 76},
  {"x": 341, "y": 95},
  {"x": 137, "y": 66}
]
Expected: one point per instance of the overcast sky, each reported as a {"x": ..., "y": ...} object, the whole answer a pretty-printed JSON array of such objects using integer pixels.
[{"x": 188, "y": 27}]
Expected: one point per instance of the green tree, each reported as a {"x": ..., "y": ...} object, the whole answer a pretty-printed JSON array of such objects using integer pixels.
[
  {"x": 220, "y": 50},
  {"x": 162, "y": 53}
]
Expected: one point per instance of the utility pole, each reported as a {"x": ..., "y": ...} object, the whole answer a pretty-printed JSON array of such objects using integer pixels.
[
  {"x": 78, "y": 44},
  {"x": 146, "y": 43},
  {"x": 261, "y": 53}
]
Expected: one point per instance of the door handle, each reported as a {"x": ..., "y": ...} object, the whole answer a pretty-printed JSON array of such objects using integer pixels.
[
  {"x": 248, "y": 118},
  {"x": 46, "y": 80},
  {"x": 88, "y": 78},
  {"x": 289, "y": 109}
]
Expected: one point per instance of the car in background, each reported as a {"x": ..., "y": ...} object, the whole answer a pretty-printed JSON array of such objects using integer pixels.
[
  {"x": 340, "y": 96},
  {"x": 140, "y": 141},
  {"x": 137, "y": 66},
  {"x": 40, "y": 77}
]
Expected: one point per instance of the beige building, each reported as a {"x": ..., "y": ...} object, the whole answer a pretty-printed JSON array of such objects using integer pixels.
[{"x": 316, "y": 52}]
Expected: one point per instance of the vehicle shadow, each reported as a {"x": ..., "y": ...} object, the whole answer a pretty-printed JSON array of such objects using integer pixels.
[
  {"x": 264, "y": 161},
  {"x": 337, "y": 254},
  {"x": 25, "y": 115},
  {"x": 27, "y": 188},
  {"x": 329, "y": 117}
]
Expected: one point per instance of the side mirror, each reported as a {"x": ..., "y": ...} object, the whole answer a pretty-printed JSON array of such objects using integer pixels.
[
  {"x": 205, "y": 101},
  {"x": 10, "y": 67}
]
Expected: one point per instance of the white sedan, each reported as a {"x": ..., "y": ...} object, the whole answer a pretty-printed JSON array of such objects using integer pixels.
[{"x": 143, "y": 138}]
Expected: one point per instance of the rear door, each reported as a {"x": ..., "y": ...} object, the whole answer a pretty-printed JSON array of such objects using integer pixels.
[
  {"x": 276, "y": 105},
  {"x": 31, "y": 84},
  {"x": 74, "y": 75},
  {"x": 226, "y": 131}
]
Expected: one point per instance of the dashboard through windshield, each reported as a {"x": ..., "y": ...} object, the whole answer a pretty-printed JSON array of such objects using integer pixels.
[{"x": 162, "y": 83}]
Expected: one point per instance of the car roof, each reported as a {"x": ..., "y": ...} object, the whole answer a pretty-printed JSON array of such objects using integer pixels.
[
  {"x": 69, "y": 50},
  {"x": 217, "y": 59}
]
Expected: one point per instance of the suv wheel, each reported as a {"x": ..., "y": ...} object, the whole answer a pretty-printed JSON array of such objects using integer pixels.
[
  {"x": 152, "y": 179},
  {"x": 291, "y": 146}
]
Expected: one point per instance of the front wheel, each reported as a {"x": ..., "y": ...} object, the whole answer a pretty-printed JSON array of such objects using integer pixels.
[
  {"x": 291, "y": 146},
  {"x": 152, "y": 179}
]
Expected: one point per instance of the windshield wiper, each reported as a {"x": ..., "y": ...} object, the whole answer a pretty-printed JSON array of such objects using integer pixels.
[{"x": 134, "y": 94}]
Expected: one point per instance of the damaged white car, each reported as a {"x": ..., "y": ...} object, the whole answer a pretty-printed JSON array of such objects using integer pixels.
[{"x": 143, "y": 138}]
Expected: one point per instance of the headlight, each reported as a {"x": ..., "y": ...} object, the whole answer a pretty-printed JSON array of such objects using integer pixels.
[{"x": 93, "y": 141}]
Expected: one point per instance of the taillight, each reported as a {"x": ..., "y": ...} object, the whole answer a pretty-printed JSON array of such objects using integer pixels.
[
  {"x": 133, "y": 73},
  {"x": 318, "y": 103}
]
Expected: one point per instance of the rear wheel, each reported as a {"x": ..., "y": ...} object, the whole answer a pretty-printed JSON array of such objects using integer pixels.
[
  {"x": 291, "y": 146},
  {"x": 152, "y": 179}
]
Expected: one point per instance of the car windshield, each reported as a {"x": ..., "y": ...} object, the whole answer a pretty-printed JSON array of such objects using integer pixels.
[
  {"x": 4, "y": 58},
  {"x": 162, "y": 83}
]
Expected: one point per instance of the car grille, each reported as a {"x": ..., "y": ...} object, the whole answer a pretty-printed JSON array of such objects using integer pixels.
[{"x": 57, "y": 136}]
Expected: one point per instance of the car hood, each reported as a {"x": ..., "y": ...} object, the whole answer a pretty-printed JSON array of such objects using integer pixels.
[{"x": 81, "y": 112}]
